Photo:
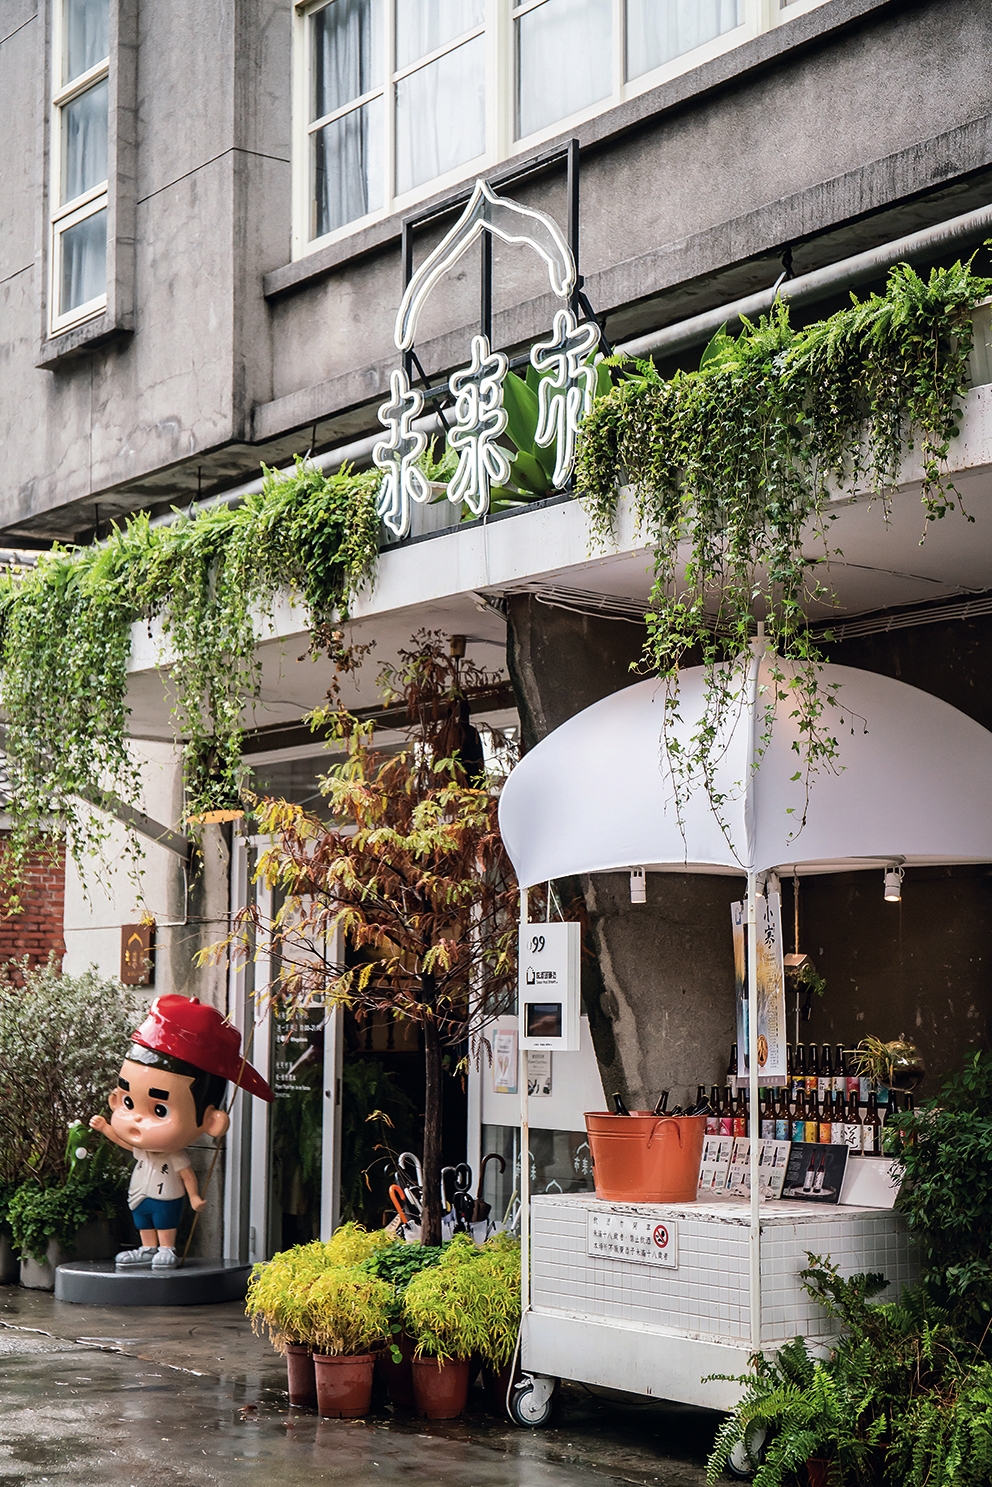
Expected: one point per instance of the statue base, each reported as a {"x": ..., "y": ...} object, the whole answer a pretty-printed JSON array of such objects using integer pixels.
[{"x": 195, "y": 1283}]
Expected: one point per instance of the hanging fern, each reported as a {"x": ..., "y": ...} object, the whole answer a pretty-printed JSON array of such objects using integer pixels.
[
  {"x": 210, "y": 579},
  {"x": 731, "y": 470}
]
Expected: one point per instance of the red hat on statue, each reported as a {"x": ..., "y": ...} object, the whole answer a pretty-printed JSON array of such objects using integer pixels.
[{"x": 191, "y": 1030}]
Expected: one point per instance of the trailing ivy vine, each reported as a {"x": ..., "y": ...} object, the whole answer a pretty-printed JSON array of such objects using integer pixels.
[
  {"x": 209, "y": 579},
  {"x": 732, "y": 468}
]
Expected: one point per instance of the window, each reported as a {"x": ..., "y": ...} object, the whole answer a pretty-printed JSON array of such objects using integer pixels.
[
  {"x": 398, "y": 99},
  {"x": 78, "y": 189}
]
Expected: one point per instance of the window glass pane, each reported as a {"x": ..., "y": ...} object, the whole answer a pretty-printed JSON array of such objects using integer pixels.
[
  {"x": 564, "y": 60},
  {"x": 84, "y": 142},
  {"x": 84, "y": 261},
  {"x": 348, "y": 167},
  {"x": 87, "y": 36},
  {"x": 424, "y": 25},
  {"x": 441, "y": 115},
  {"x": 346, "y": 53},
  {"x": 658, "y": 30}
]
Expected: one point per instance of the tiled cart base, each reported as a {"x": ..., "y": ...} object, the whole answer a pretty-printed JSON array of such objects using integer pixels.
[{"x": 653, "y": 1330}]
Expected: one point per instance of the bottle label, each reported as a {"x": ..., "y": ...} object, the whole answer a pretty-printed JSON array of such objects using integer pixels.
[
  {"x": 782, "y": 1130},
  {"x": 812, "y": 1131}
]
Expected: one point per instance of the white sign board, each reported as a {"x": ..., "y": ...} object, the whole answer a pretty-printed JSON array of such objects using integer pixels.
[
  {"x": 630, "y": 1236},
  {"x": 549, "y": 987}
]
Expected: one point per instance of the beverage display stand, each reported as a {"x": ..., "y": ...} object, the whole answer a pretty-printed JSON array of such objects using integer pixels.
[{"x": 598, "y": 795}]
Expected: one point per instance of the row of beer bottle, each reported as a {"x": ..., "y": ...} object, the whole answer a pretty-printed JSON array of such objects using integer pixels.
[
  {"x": 825, "y": 1069},
  {"x": 838, "y": 1119}
]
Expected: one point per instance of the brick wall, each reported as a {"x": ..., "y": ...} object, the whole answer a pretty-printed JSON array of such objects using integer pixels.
[{"x": 37, "y": 932}]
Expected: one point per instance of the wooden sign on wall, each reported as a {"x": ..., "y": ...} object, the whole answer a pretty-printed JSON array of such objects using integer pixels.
[{"x": 138, "y": 954}]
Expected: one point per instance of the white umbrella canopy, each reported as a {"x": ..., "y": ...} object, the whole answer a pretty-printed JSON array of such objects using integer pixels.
[{"x": 912, "y": 780}]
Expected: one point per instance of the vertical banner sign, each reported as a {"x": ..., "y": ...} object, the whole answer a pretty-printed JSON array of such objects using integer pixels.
[{"x": 772, "y": 1050}]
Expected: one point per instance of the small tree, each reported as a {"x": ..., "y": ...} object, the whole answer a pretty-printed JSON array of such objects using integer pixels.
[{"x": 412, "y": 872}]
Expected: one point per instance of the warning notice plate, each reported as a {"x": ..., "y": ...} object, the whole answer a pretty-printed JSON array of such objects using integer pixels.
[{"x": 628, "y": 1236}]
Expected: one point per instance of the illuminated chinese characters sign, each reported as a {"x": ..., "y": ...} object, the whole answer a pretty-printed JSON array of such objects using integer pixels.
[{"x": 564, "y": 364}]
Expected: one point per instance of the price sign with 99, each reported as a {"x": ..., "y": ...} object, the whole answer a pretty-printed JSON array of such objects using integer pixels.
[{"x": 536, "y": 944}]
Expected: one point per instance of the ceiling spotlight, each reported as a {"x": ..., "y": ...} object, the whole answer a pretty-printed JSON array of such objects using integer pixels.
[
  {"x": 638, "y": 886},
  {"x": 893, "y": 883}
]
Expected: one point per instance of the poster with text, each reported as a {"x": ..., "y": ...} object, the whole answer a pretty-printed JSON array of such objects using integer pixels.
[{"x": 770, "y": 991}]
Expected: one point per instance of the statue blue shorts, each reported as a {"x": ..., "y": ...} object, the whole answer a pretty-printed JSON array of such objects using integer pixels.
[{"x": 158, "y": 1213}]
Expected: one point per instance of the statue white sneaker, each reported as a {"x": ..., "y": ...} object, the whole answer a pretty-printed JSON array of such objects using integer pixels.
[
  {"x": 165, "y": 1258},
  {"x": 141, "y": 1256}
]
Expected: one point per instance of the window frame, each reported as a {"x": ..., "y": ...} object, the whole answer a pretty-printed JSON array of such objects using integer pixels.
[
  {"x": 64, "y": 215},
  {"x": 502, "y": 142}
]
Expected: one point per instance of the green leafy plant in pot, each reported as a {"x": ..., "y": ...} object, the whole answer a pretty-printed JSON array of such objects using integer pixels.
[
  {"x": 348, "y": 1315},
  {"x": 468, "y": 1304},
  {"x": 278, "y": 1299}
]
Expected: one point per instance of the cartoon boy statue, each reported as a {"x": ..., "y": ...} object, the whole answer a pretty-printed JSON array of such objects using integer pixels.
[{"x": 169, "y": 1091}]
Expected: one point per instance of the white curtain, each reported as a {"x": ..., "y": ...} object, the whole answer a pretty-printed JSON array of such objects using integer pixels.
[
  {"x": 84, "y": 142},
  {"x": 87, "y": 36},
  {"x": 441, "y": 115},
  {"x": 659, "y": 30},
  {"x": 564, "y": 60},
  {"x": 84, "y": 262},
  {"x": 424, "y": 25},
  {"x": 347, "y": 160}
]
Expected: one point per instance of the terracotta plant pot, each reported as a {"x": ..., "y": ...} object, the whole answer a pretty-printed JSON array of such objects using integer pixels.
[
  {"x": 397, "y": 1377},
  {"x": 344, "y": 1385},
  {"x": 440, "y": 1389},
  {"x": 496, "y": 1385},
  {"x": 818, "y": 1470},
  {"x": 301, "y": 1376}
]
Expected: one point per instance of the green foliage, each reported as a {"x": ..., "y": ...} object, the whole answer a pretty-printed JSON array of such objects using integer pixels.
[
  {"x": 946, "y": 1149},
  {"x": 98, "y": 1175},
  {"x": 347, "y": 1311},
  {"x": 278, "y": 1297},
  {"x": 467, "y": 1303},
  {"x": 61, "y": 1043},
  {"x": 901, "y": 1399},
  {"x": 209, "y": 581},
  {"x": 731, "y": 469}
]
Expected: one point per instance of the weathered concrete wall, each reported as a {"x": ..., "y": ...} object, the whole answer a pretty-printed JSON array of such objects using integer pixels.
[{"x": 858, "y": 108}]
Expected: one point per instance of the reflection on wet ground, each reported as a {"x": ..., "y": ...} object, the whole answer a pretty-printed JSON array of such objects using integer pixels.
[{"x": 186, "y": 1397}]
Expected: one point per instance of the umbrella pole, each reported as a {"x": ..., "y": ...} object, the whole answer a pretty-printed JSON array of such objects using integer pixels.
[
  {"x": 754, "y": 1234},
  {"x": 524, "y": 1143}
]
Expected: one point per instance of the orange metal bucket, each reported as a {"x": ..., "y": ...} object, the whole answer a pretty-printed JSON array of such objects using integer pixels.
[{"x": 646, "y": 1158}]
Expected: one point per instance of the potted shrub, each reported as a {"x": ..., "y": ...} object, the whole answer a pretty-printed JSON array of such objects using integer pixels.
[
  {"x": 60, "y": 1043},
  {"x": 277, "y": 1296},
  {"x": 348, "y": 1316},
  {"x": 397, "y": 1264},
  {"x": 469, "y": 1303},
  {"x": 52, "y": 1222}
]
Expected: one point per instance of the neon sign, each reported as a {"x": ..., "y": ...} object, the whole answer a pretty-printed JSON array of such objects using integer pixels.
[{"x": 564, "y": 364}]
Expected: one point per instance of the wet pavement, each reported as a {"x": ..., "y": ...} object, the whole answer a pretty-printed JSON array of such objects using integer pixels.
[{"x": 187, "y": 1397}]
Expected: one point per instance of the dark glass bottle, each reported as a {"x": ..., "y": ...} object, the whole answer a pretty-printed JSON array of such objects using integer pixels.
[
  {"x": 732, "y": 1068},
  {"x": 783, "y": 1125},
  {"x": 662, "y": 1104},
  {"x": 871, "y": 1140},
  {"x": 727, "y": 1111},
  {"x": 799, "y": 1117},
  {"x": 713, "y": 1115},
  {"x": 812, "y": 1070},
  {"x": 798, "y": 1069},
  {"x": 618, "y": 1104},
  {"x": 812, "y": 1117},
  {"x": 825, "y": 1085},
  {"x": 766, "y": 1128},
  {"x": 840, "y": 1069},
  {"x": 740, "y": 1113}
]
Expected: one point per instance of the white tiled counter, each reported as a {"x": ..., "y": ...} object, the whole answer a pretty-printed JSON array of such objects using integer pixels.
[{"x": 655, "y": 1328}]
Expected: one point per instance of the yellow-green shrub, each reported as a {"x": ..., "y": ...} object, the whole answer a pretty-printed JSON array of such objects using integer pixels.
[
  {"x": 347, "y": 1310},
  {"x": 468, "y": 1303}
]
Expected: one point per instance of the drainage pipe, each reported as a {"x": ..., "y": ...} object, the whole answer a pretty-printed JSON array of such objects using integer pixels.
[{"x": 822, "y": 283}]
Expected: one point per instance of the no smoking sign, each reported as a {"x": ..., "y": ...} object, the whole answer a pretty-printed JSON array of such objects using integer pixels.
[{"x": 633, "y": 1237}]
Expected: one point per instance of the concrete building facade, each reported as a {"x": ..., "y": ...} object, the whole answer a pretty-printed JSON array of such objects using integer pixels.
[{"x": 201, "y": 259}]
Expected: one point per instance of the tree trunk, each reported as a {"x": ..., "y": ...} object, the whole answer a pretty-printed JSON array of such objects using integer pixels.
[{"x": 431, "y": 1223}]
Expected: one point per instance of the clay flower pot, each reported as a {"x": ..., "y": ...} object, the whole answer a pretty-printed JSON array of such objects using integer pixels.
[
  {"x": 344, "y": 1385},
  {"x": 440, "y": 1389},
  {"x": 397, "y": 1377},
  {"x": 302, "y": 1379},
  {"x": 818, "y": 1470},
  {"x": 496, "y": 1384}
]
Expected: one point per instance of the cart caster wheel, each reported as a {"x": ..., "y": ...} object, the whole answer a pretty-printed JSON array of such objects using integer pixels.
[
  {"x": 748, "y": 1454},
  {"x": 532, "y": 1401}
]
